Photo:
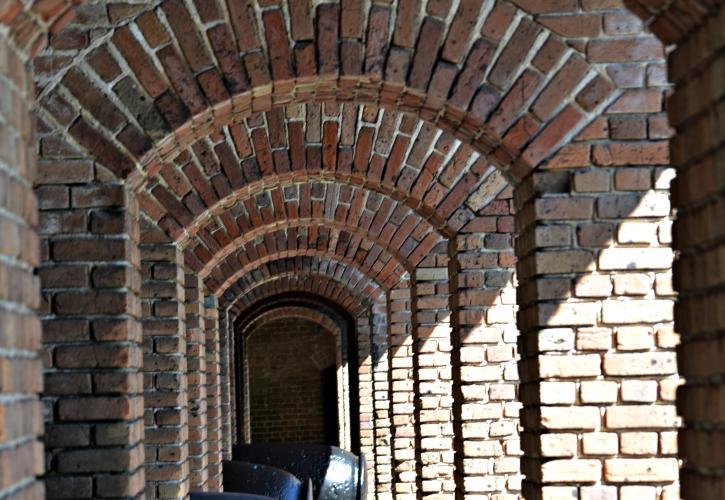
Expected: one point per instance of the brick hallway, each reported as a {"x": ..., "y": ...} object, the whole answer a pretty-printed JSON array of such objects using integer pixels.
[{"x": 504, "y": 215}]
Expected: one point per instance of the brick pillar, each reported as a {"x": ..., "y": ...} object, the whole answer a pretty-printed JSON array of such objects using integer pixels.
[
  {"x": 697, "y": 111},
  {"x": 402, "y": 393},
  {"x": 225, "y": 374},
  {"x": 366, "y": 395},
  {"x": 487, "y": 406},
  {"x": 91, "y": 333},
  {"x": 165, "y": 372},
  {"x": 432, "y": 349},
  {"x": 245, "y": 429},
  {"x": 234, "y": 362},
  {"x": 597, "y": 368},
  {"x": 20, "y": 338},
  {"x": 342, "y": 362},
  {"x": 381, "y": 396},
  {"x": 196, "y": 364},
  {"x": 213, "y": 393}
]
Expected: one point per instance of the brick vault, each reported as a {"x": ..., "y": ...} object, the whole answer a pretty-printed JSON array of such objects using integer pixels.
[{"x": 465, "y": 207}]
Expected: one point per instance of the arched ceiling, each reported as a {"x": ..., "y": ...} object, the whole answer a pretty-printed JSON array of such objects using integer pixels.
[
  {"x": 385, "y": 152},
  {"x": 297, "y": 312},
  {"x": 256, "y": 131},
  {"x": 308, "y": 266},
  {"x": 382, "y": 268},
  {"x": 356, "y": 298},
  {"x": 132, "y": 82}
]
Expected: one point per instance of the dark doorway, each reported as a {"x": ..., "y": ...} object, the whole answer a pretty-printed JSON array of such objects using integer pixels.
[
  {"x": 330, "y": 414},
  {"x": 350, "y": 348}
]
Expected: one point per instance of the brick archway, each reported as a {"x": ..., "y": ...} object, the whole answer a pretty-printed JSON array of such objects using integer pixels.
[
  {"x": 341, "y": 341},
  {"x": 591, "y": 221},
  {"x": 367, "y": 335}
]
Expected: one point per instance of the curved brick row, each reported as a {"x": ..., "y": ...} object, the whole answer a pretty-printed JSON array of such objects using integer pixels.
[
  {"x": 298, "y": 312},
  {"x": 349, "y": 277},
  {"x": 313, "y": 283}
]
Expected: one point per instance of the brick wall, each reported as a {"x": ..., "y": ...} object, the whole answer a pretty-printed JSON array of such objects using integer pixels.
[
  {"x": 21, "y": 420},
  {"x": 91, "y": 333},
  {"x": 485, "y": 354},
  {"x": 696, "y": 112},
  {"x": 166, "y": 414},
  {"x": 285, "y": 359},
  {"x": 196, "y": 365},
  {"x": 213, "y": 392}
]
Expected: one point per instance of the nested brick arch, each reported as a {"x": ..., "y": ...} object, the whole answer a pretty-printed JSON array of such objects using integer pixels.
[
  {"x": 537, "y": 137},
  {"x": 384, "y": 270},
  {"x": 362, "y": 214},
  {"x": 394, "y": 154},
  {"x": 307, "y": 269},
  {"x": 188, "y": 87},
  {"x": 336, "y": 232},
  {"x": 300, "y": 283},
  {"x": 370, "y": 254}
]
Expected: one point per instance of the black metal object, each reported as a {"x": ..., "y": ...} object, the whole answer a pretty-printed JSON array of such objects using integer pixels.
[
  {"x": 336, "y": 474},
  {"x": 227, "y": 496},
  {"x": 262, "y": 479}
]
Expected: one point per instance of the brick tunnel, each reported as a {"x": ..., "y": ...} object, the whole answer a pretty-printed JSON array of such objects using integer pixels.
[{"x": 478, "y": 242}]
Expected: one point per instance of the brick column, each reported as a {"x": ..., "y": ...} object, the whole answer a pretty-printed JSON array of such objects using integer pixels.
[
  {"x": 245, "y": 429},
  {"x": 697, "y": 112},
  {"x": 402, "y": 393},
  {"x": 597, "y": 368},
  {"x": 434, "y": 394},
  {"x": 225, "y": 369},
  {"x": 486, "y": 406},
  {"x": 381, "y": 396},
  {"x": 165, "y": 372},
  {"x": 366, "y": 395},
  {"x": 196, "y": 365},
  {"x": 20, "y": 338},
  {"x": 91, "y": 333},
  {"x": 342, "y": 362},
  {"x": 234, "y": 362},
  {"x": 213, "y": 393}
]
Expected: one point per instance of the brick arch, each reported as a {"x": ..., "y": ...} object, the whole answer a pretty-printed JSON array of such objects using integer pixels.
[
  {"x": 380, "y": 265},
  {"x": 372, "y": 340},
  {"x": 490, "y": 52},
  {"x": 295, "y": 312},
  {"x": 323, "y": 320},
  {"x": 391, "y": 153},
  {"x": 350, "y": 299},
  {"x": 326, "y": 265},
  {"x": 359, "y": 287},
  {"x": 338, "y": 232},
  {"x": 379, "y": 219},
  {"x": 279, "y": 205}
]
